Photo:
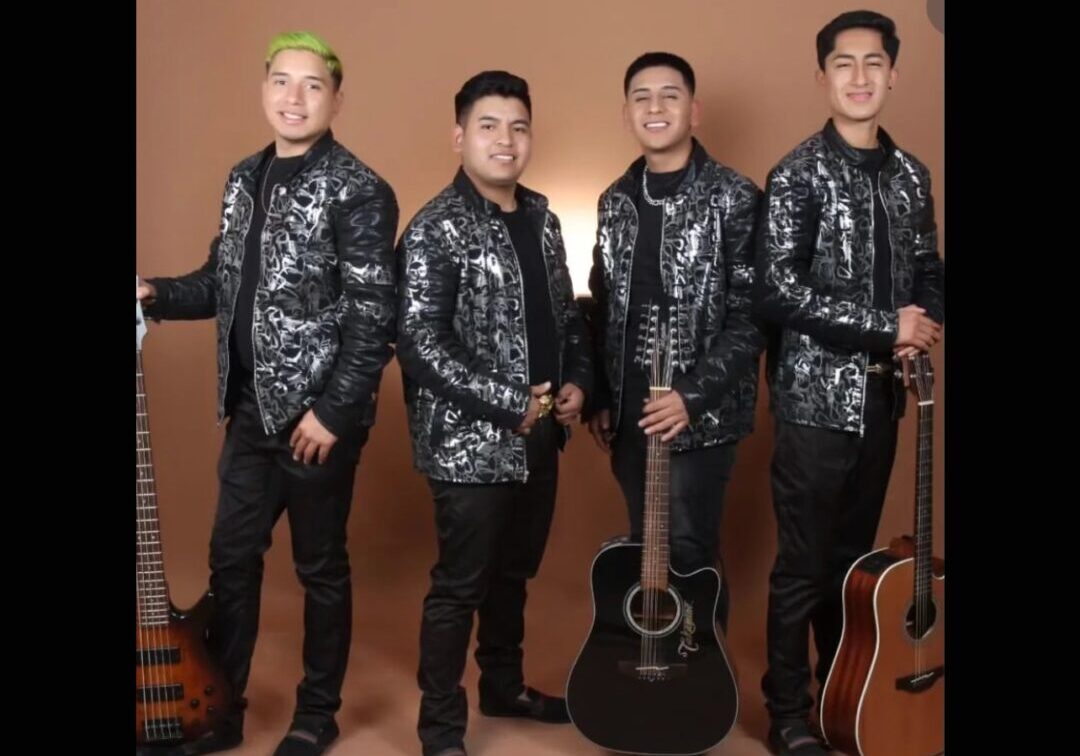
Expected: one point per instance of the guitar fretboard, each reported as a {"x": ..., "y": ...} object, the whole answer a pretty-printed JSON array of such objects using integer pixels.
[{"x": 152, "y": 594}]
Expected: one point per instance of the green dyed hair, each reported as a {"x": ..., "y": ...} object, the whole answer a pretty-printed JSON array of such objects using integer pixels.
[{"x": 312, "y": 43}]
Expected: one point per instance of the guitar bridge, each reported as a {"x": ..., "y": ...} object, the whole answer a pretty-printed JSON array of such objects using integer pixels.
[
  {"x": 163, "y": 730},
  {"x": 652, "y": 672},
  {"x": 920, "y": 682}
]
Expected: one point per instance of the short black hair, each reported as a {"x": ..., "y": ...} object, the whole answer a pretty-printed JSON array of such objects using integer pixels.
[
  {"x": 861, "y": 19},
  {"x": 651, "y": 59},
  {"x": 485, "y": 84}
]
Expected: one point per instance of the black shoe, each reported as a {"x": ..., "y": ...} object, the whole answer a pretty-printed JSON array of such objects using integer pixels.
[
  {"x": 531, "y": 704},
  {"x": 794, "y": 738},
  {"x": 307, "y": 740}
]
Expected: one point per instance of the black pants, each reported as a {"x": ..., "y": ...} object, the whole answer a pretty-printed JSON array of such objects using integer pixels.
[
  {"x": 491, "y": 540},
  {"x": 698, "y": 480},
  {"x": 828, "y": 491},
  {"x": 260, "y": 480}
]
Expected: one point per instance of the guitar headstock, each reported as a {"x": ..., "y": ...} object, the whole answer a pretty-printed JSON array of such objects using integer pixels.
[
  {"x": 660, "y": 369},
  {"x": 922, "y": 377}
]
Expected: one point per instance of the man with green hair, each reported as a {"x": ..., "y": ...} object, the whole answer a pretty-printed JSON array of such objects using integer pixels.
[{"x": 301, "y": 279}]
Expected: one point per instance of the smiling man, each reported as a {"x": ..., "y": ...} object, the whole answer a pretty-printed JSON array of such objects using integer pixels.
[
  {"x": 675, "y": 248},
  {"x": 850, "y": 278},
  {"x": 496, "y": 363},
  {"x": 302, "y": 282}
]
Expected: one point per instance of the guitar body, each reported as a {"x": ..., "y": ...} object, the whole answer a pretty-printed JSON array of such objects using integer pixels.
[
  {"x": 688, "y": 708},
  {"x": 180, "y": 694},
  {"x": 885, "y": 695}
]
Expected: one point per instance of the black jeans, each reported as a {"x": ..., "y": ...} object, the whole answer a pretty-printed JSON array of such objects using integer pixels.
[
  {"x": 491, "y": 540},
  {"x": 260, "y": 480},
  {"x": 828, "y": 492}
]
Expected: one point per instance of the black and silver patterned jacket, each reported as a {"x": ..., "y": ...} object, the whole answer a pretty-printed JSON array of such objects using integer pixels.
[
  {"x": 816, "y": 273},
  {"x": 461, "y": 334},
  {"x": 325, "y": 301},
  {"x": 707, "y": 267}
]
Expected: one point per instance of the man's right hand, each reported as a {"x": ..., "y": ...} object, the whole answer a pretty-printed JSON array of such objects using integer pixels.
[
  {"x": 533, "y": 413},
  {"x": 600, "y": 428},
  {"x": 144, "y": 290},
  {"x": 916, "y": 329}
]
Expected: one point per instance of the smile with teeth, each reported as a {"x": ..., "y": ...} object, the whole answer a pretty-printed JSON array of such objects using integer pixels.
[
  {"x": 503, "y": 158},
  {"x": 292, "y": 118},
  {"x": 656, "y": 125}
]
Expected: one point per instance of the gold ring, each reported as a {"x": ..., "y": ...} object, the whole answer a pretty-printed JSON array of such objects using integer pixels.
[{"x": 546, "y": 403}]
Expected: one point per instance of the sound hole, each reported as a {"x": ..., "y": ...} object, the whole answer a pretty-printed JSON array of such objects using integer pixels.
[
  {"x": 918, "y": 624},
  {"x": 651, "y": 612}
]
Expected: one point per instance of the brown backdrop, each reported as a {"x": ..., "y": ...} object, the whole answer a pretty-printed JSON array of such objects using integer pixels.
[{"x": 199, "y": 68}]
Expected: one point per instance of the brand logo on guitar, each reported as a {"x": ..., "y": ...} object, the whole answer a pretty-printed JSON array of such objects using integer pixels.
[{"x": 687, "y": 644}]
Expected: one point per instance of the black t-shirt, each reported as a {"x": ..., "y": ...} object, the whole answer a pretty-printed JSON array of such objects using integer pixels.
[
  {"x": 539, "y": 321},
  {"x": 274, "y": 175}
]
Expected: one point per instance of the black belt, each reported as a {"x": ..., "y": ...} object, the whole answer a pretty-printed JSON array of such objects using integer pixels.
[{"x": 880, "y": 368}]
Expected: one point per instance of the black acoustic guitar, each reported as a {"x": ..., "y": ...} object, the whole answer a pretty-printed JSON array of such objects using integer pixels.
[{"x": 652, "y": 677}]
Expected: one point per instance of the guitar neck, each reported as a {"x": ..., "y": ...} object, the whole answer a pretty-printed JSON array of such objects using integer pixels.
[
  {"x": 656, "y": 555},
  {"x": 151, "y": 591},
  {"x": 924, "y": 512}
]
